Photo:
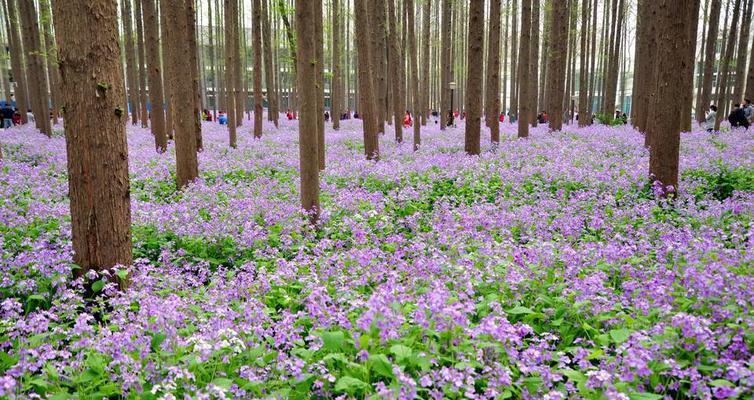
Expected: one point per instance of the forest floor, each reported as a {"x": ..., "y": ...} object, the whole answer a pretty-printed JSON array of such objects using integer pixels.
[{"x": 545, "y": 269}]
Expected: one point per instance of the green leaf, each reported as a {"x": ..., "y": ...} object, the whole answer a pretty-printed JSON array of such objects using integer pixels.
[
  {"x": 645, "y": 396},
  {"x": 350, "y": 385},
  {"x": 518, "y": 310},
  {"x": 380, "y": 364},
  {"x": 223, "y": 383},
  {"x": 157, "y": 339},
  {"x": 401, "y": 352},
  {"x": 333, "y": 341},
  {"x": 97, "y": 286},
  {"x": 722, "y": 383},
  {"x": 122, "y": 274},
  {"x": 620, "y": 335}
]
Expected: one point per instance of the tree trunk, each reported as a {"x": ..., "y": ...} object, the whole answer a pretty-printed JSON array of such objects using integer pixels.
[
  {"x": 35, "y": 60},
  {"x": 665, "y": 120},
  {"x": 524, "y": 53},
  {"x": 269, "y": 77},
  {"x": 533, "y": 79},
  {"x": 193, "y": 57},
  {"x": 213, "y": 71},
  {"x": 687, "y": 98},
  {"x": 367, "y": 101},
  {"x": 92, "y": 87},
  {"x": 309, "y": 66},
  {"x": 169, "y": 91},
  {"x": 473, "y": 76},
  {"x": 583, "y": 65},
  {"x": 157, "y": 116},
  {"x": 514, "y": 64},
  {"x": 178, "y": 52},
  {"x": 743, "y": 49},
  {"x": 722, "y": 98},
  {"x": 378, "y": 42},
  {"x": 320, "y": 55},
  {"x": 17, "y": 60},
  {"x": 445, "y": 96},
  {"x": 396, "y": 71},
  {"x": 645, "y": 65},
  {"x": 131, "y": 83},
  {"x": 336, "y": 89},
  {"x": 257, "y": 43},
  {"x": 416, "y": 97},
  {"x": 51, "y": 55},
  {"x": 425, "y": 78},
  {"x": 492, "y": 87},
  {"x": 231, "y": 12},
  {"x": 141, "y": 57},
  {"x": 556, "y": 63}
]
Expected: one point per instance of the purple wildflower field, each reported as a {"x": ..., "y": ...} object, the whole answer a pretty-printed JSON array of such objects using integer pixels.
[{"x": 546, "y": 269}]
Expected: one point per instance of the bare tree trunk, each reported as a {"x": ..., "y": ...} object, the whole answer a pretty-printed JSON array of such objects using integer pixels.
[
  {"x": 687, "y": 97},
  {"x": 514, "y": 64},
  {"x": 425, "y": 78},
  {"x": 396, "y": 71},
  {"x": 336, "y": 87},
  {"x": 141, "y": 57},
  {"x": 492, "y": 87},
  {"x": 257, "y": 43},
  {"x": 743, "y": 49},
  {"x": 665, "y": 121},
  {"x": 17, "y": 60},
  {"x": 367, "y": 99},
  {"x": 592, "y": 64},
  {"x": 583, "y": 64},
  {"x": 416, "y": 97},
  {"x": 183, "y": 81},
  {"x": 193, "y": 58},
  {"x": 473, "y": 77},
  {"x": 378, "y": 42},
  {"x": 523, "y": 70},
  {"x": 155, "y": 76},
  {"x": 131, "y": 83},
  {"x": 213, "y": 71},
  {"x": 231, "y": 12},
  {"x": 307, "y": 70},
  {"x": 557, "y": 59},
  {"x": 533, "y": 81},
  {"x": 269, "y": 77},
  {"x": 168, "y": 89},
  {"x": 722, "y": 98},
  {"x": 37, "y": 76},
  {"x": 645, "y": 64},
  {"x": 504, "y": 66},
  {"x": 97, "y": 163},
  {"x": 320, "y": 54},
  {"x": 53, "y": 73}
]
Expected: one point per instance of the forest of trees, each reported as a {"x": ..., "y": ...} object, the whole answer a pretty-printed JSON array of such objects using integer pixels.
[{"x": 661, "y": 62}]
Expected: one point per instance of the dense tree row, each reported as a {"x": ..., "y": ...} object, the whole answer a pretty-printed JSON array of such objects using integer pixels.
[{"x": 167, "y": 64}]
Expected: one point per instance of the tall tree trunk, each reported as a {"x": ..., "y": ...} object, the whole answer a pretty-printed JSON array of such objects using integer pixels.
[
  {"x": 157, "y": 116},
  {"x": 141, "y": 57},
  {"x": 257, "y": 43},
  {"x": 533, "y": 79},
  {"x": 367, "y": 98},
  {"x": 193, "y": 58},
  {"x": 307, "y": 70},
  {"x": 396, "y": 71},
  {"x": 336, "y": 87},
  {"x": 416, "y": 97},
  {"x": 425, "y": 78},
  {"x": 592, "y": 63},
  {"x": 699, "y": 65},
  {"x": 37, "y": 76},
  {"x": 183, "y": 78},
  {"x": 17, "y": 60},
  {"x": 583, "y": 64},
  {"x": 492, "y": 86},
  {"x": 168, "y": 89},
  {"x": 687, "y": 98},
  {"x": 231, "y": 12},
  {"x": 523, "y": 69},
  {"x": 645, "y": 65},
  {"x": 269, "y": 77},
  {"x": 473, "y": 76},
  {"x": 445, "y": 42},
  {"x": 378, "y": 41},
  {"x": 213, "y": 71},
  {"x": 53, "y": 73},
  {"x": 131, "y": 83},
  {"x": 665, "y": 120},
  {"x": 556, "y": 63},
  {"x": 722, "y": 98},
  {"x": 97, "y": 163},
  {"x": 743, "y": 49},
  {"x": 514, "y": 64},
  {"x": 320, "y": 54}
]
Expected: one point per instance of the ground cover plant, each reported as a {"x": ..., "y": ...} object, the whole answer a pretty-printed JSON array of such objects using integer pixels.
[{"x": 546, "y": 269}]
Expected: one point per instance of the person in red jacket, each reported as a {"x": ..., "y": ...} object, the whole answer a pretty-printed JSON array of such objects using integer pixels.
[
  {"x": 502, "y": 117},
  {"x": 407, "y": 123}
]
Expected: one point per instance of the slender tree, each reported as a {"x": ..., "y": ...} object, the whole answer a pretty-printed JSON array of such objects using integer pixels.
[
  {"x": 743, "y": 51},
  {"x": 257, "y": 43},
  {"x": 336, "y": 87},
  {"x": 396, "y": 70},
  {"x": 142, "y": 61},
  {"x": 556, "y": 66},
  {"x": 157, "y": 114},
  {"x": 231, "y": 13},
  {"x": 424, "y": 82},
  {"x": 416, "y": 97},
  {"x": 97, "y": 161},
  {"x": 35, "y": 66},
  {"x": 533, "y": 80},
  {"x": 473, "y": 83},
  {"x": 131, "y": 68},
  {"x": 524, "y": 53},
  {"x": 492, "y": 85},
  {"x": 320, "y": 55},
  {"x": 722, "y": 95},
  {"x": 446, "y": 77},
  {"x": 17, "y": 59},
  {"x": 664, "y": 123},
  {"x": 269, "y": 69},
  {"x": 583, "y": 64},
  {"x": 367, "y": 101}
]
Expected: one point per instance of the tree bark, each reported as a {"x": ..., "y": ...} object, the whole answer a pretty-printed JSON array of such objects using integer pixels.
[
  {"x": 336, "y": 87},
  {"x": 231, "y": 12},
  {"x": 687, "y": 97},
  {"x": 178, "y": 52},
  {"x": 51, "y": 54},
  {"x": 722, "y": 98},
  {"x": 424, "y": 82},
  {"x": 97, "y": 162},
  {"x": 514, "y": 64},
  {"x": 416, "y": 97},
  {"x": 320, "y": 54},
  {"x": 367, "y": 101},
  {"x": 131, "y": 83},
  {"x": 378, "y": 41},
  {"x": 17, "y": 60},
  {"x": 492, "y": 86},
  {"x": 396, "y": 71},
  {"x": 269, "y": 70},
  {"x": 35, "y": 63},
  {"x": 445, "y": 42},
  {"x": 583, "y": 64},
  {"x": 524, "y": 53},
  {"x": 556, "y": 63},
  {"x": 257, "y": 43},
  {"x": 473, "y": 76},
  {"x": 157, "y": 115},
  {"x": 141, "y": 57},
  {"x": 665, "y": 121},
  {"x": 533, "y": 80},
  {"x": 743, "y": 49},
  {"x": 193, "y": 57}
]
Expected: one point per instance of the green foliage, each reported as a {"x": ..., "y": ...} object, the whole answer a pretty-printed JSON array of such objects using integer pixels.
[
  {"x": 720, "y": 184},
  {"x": 609, "y": 119}
]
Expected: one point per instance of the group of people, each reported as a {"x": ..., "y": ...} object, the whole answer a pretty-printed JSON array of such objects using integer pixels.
[
  {"x": 739, "y": 117},
  {"x": 12, "y": 117}
]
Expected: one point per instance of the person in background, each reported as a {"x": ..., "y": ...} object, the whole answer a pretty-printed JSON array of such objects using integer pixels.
[
  {"x": 737, "y": 117},
  {"x": 709, "y": 120},
  {"x": 222, "y": 119},
  {"x": 327, "y": 116},
  {"x": 29, "y": 116},
  {"x": 450, "y": 120},
  {"x": 356, "y": 114},
  {"x": 623, "y": 118},
  {"x": 502, "y": 117},
  {"x": 289, "y": 115},
  {"x": 7, "y": 113},
  {"x": 748, "y": 111},
  {"x": 407, "y": 123},
  {"x": 16, "y": 117}
]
